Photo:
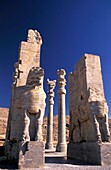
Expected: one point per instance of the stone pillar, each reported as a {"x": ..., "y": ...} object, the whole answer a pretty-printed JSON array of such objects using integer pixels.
[
  {"x": 24, "y": 128},
  {"x": 51, "y": 86},
  {"x": 88, "y": 109},
  {"x": 61, "y": 146}
]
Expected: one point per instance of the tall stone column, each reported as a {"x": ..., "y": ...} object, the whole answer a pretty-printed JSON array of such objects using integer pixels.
[
  {"x": 51, "y": 86},
  {"x": 61, "y": 145}
]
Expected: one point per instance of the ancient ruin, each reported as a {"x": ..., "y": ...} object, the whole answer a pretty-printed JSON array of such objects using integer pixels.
[
  {"x": 51, "y": 86},
  {"x": 89, "y": 136},
  {"x": 24, "y": 130},
  {"x": 61, "y": 145},
  {"x": 89, "y": 130}
]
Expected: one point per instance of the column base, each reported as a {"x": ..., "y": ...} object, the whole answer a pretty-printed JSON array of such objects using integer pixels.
[
  {"x": 49, "y": 146},
  {"x": 61, "y": 147},
  {"x": 90, "y": 152}
]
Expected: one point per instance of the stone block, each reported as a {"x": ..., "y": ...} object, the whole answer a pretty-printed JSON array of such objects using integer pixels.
[
  {"x": 33, "y": 157},
  {"x": 29, "y": 46},
  {"x": 90, "y": 152}
]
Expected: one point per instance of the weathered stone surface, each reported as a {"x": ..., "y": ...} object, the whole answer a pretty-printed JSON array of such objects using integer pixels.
[
  {"x": 33, "y": 157},
  {"x": 87, "y": 105},
  {"x": 28, "y": 98},
  {"x": 91, "y": 152},
  {"x": 12, "y": 150},
  {"x": 3, "y": 124},
  {"x": 29, "y": 56}
]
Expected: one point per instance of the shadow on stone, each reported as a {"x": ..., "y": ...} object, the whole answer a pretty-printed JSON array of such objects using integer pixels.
[
  {"x": 2, "y": 150},
  {"x": 8, "y": 165},
  {"x": 51, "y": 159},
  {"x": 64, "y": 160}
]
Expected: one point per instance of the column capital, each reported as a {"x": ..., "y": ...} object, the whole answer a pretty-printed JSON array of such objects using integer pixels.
[
  {"x": 51, "y": 86},
  {"x": 61, "y": 81},
  {"x": 61, "y": 72}
]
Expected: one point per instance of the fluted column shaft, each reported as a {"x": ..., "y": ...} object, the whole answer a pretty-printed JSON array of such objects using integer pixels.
[
  {"x": 51, "y": 86},
  {"x": 61, "y": 145}
]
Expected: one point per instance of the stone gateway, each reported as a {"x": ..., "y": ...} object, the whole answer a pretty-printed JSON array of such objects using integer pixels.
[
  {"x": 24, "y": 129},
  {"x": 88, "y": 113}
]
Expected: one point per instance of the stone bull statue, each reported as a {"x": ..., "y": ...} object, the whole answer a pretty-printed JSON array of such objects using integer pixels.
[
  {"x": 35, "y": 103},
  {"x": 90, "y": 120},
  {"x": 98, "y": 108}
]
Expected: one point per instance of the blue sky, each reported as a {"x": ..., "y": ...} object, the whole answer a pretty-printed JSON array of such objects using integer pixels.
[{"x": 69, "y": 29}]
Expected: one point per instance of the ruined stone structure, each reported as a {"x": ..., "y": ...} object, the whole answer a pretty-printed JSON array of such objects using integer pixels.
[
  {"x": 88, "y": 113},
  {"x": 51, "y": 86},
  {"x": 61, "y": 145},
  {"x": 27, "y": 104}
]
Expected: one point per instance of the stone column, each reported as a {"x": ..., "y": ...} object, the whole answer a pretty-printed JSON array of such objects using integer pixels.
[
  {"x": 51, "y": 86},
  {"x": 61, "y": 146}
]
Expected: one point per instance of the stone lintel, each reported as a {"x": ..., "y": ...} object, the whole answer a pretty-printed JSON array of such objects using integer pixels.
[{"x": 90, "y": 152}]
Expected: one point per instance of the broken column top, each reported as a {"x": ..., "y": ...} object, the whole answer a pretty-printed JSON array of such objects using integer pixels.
[{"x": 34, "y": 37}]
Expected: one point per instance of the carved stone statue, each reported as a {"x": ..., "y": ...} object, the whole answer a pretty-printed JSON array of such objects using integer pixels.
[
  {"x": 26, "y": 136},
  {"x": 36, "y": 102},
  {"x": 88, "y": 111},
  {"x": 88, "y": 107},
  {"x": 99, "y": 109}
]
